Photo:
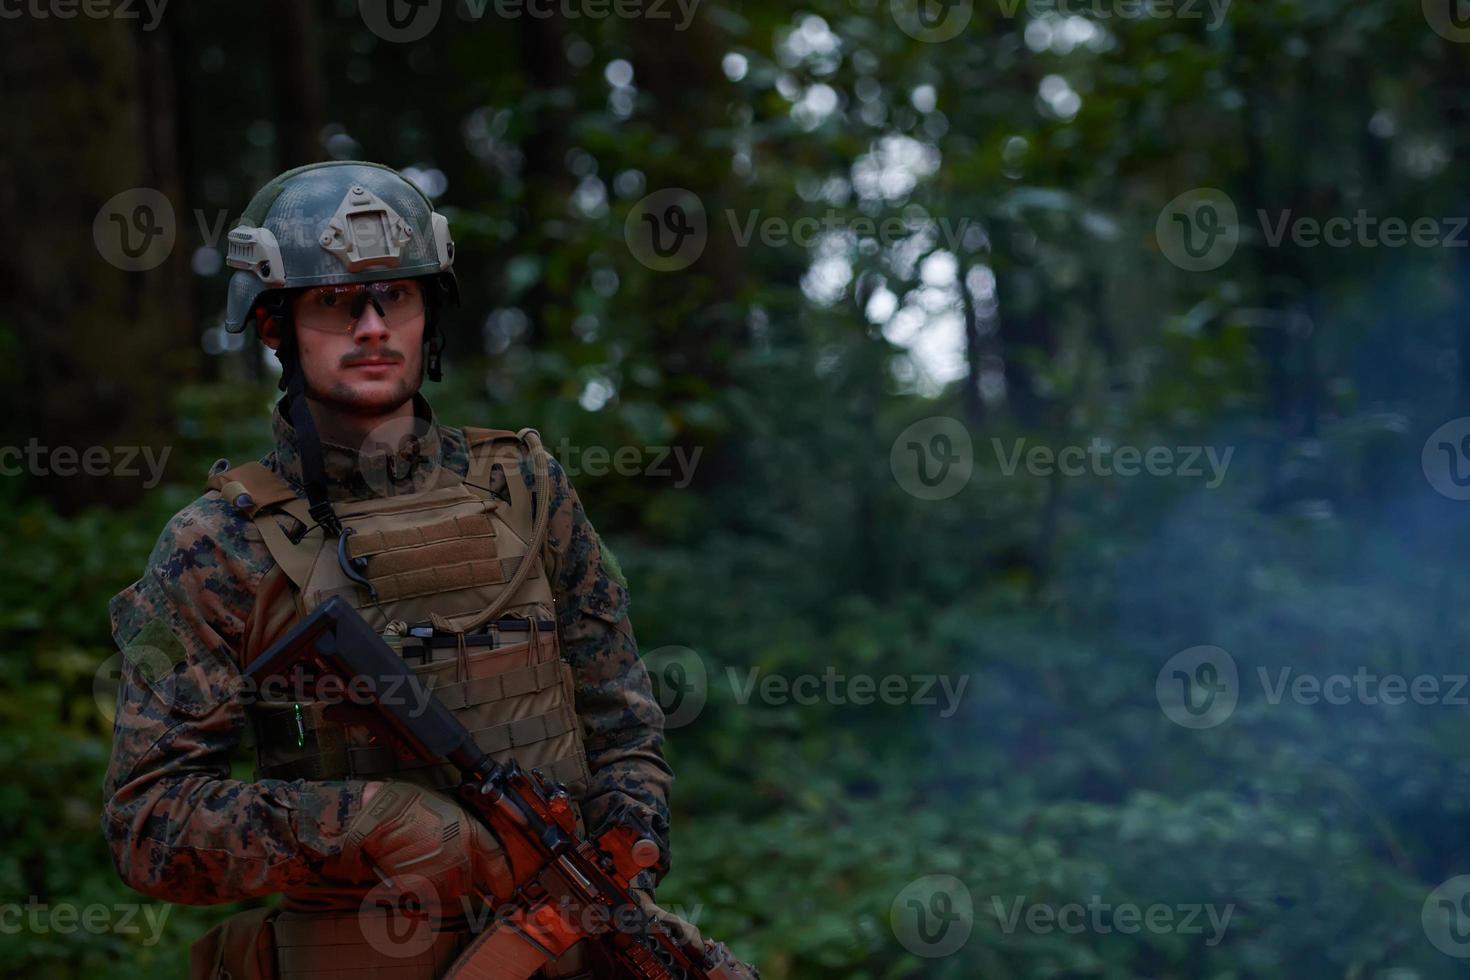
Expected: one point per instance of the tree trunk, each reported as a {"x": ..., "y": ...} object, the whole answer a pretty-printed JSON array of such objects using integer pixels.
[
  {"x": 98, "y": 349},
  {"x": 298, "y": 85}
]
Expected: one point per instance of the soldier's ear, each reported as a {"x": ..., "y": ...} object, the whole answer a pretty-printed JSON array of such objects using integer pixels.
[{"x": 268, "y": 327}]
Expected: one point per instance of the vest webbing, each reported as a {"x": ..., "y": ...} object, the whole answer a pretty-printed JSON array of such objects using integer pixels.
[{"x": 441, "y": 541}]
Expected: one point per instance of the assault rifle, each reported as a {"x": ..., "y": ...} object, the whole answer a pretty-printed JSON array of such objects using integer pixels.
[{"x": 560, "y": 875}]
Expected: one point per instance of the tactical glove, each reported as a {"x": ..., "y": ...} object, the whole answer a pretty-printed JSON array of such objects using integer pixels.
[
  {"x": 683, "y": 932},
  {"x": 405, "y": 830}
]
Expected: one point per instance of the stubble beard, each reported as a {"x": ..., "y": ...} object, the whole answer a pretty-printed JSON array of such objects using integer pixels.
[{"x": 343, "y": 399}]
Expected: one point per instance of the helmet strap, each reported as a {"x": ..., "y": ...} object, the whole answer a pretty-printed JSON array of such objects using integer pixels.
[
  {"x": 435, "y": 295},
  {"x": 309, "y": 445},
  {"x": 298, "y": 413},
  {"x": 433, "y": 348}
]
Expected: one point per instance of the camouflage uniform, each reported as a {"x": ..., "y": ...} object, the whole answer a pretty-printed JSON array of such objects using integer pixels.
[{"x": 181, "y": 829}]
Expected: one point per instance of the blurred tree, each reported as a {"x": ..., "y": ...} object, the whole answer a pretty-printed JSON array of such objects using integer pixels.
[{"x": 92, "y": 113}]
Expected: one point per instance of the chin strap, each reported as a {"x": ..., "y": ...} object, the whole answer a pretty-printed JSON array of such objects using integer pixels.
[{"x": 309, "y": 444}]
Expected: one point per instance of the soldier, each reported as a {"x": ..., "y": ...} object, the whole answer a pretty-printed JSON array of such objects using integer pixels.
[{"x": 467, "y": 549}]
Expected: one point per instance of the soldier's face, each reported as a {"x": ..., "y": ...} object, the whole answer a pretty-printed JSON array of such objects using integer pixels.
[{"x": 367, "y": 365}]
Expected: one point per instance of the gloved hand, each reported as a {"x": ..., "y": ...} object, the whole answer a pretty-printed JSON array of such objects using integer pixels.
[
  {"x": 405, "y": 830},
  {"x": 683, "y": 932}
]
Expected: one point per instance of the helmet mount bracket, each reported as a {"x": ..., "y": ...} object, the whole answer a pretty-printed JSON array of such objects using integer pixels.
[{"x": 366, "y": 231}]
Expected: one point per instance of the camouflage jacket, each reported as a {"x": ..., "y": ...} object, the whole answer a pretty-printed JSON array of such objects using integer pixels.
[{"x": 181, "y": 829}]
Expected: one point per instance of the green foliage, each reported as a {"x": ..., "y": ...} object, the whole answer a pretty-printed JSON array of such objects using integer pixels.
[{"x": 1054, "y": 780}]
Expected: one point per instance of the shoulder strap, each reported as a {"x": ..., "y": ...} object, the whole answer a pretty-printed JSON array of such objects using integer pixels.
[
  {"x": 255, "y": 491},
  {"x": 250, "y": 487},
  {"x": 536, "y": 541},
  {"x": 488, "y": 447},
  {"x": 476, "y": 435}
]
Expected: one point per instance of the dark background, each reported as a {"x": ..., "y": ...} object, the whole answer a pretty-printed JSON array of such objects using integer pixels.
[{"x": 1032, "y": 288}]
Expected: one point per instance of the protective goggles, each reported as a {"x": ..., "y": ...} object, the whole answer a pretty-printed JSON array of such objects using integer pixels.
[{"x": 336, "y": 309}]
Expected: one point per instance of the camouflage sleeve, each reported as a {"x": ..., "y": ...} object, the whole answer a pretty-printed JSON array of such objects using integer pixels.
[
  {"x": 178, "y": 827},
  {"x": 622, "y": 720}
]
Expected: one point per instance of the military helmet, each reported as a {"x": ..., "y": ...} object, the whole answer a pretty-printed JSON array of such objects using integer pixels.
[{"x": 329, "y": 223}]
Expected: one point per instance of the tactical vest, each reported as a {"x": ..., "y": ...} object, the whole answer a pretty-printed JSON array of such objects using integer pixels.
[{"x": 454, "y": 579}]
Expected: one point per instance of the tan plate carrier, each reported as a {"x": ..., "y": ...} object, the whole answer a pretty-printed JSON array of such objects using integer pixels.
[{"x": 461, "y": 554}]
